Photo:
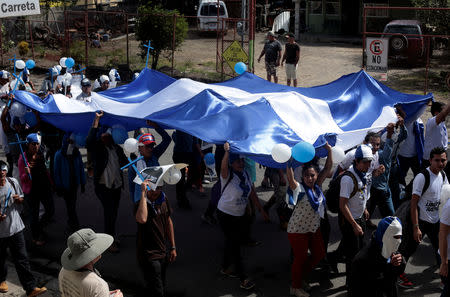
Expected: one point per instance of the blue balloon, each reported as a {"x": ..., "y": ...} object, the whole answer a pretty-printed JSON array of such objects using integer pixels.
[
  {"x": 119, "y": 135},
  {"x": 30, "y": 64},
  {"x": 240, "y": 67},
  {"x": 80, "y": 139},
  {"x": 303, "y": 152},
  {"x": 70, "y": 62},
  {"x": 30, "y": 119},
  {"x": 209, "y": 159}
]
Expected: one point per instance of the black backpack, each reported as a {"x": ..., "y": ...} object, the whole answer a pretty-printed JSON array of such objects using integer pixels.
[
  {"x": 409, "y": 187},
  {"x": 332, "y": 195}
]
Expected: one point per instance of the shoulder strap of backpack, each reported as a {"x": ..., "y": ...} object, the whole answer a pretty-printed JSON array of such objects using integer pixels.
[
  {"x": 12, "y": 184},
  {"x": 426, "y": 184},
  {"x": 355, "y": 182},
  {"x": 228, "y": 181}
]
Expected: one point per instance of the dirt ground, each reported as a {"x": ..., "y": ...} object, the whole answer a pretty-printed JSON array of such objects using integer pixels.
[{"x": 320, "y": 63}]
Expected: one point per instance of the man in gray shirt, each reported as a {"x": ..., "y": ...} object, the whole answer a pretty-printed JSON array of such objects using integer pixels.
[
  {"x": 272, "y": 51},
  {"x": 11, "y": 234}
]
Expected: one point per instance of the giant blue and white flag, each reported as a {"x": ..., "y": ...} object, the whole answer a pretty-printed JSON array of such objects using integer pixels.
[{"x": 249, "y": 112}]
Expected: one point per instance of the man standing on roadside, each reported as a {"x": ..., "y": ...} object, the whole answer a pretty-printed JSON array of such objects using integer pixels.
[
  {"x": 291, "y": 56},
  {"x": 272, "y": 50}
]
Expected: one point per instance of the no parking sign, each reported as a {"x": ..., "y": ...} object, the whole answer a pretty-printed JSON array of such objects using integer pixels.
[{"x": 377, "y": 54}]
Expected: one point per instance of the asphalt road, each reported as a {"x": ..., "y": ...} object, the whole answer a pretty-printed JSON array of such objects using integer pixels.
[{"x": 199, "y": 247}]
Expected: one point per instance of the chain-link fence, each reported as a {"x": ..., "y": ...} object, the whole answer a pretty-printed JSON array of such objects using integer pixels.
[
  {"x": 102, "y": 40},
  {"x": 417, "y": 40}
]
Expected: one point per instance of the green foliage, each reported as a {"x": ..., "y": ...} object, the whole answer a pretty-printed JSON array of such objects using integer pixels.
[
  {"x": 436, "y": 21},
  {"x": 157, "y": 24},
  {"x": 6, "y": 44},
  {"x": 23, "y": 48}
]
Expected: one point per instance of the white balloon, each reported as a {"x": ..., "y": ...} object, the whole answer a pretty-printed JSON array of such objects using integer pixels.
[
  {"x": 338, "y": 154},
  {"x": 172, "y": 176},
  {"x": 445, "y": 194},
  {"x": 131, "y": 145},
  {"x": 18, "y": 109},
  {"x": 62, "y": 62},
  {"x": 281, "y": 153},
  {"x": 20, "y": 64}
]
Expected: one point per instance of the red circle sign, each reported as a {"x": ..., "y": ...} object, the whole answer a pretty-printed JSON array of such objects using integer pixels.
[{"x": 376, "y": 47}]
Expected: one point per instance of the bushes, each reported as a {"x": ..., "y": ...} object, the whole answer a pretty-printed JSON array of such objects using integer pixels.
[{"x": 157, "y": 24}]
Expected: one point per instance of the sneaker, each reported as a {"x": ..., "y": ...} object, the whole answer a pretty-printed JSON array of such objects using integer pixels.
[
  {"x": 3, "y": 287},
  {"x": 252, "y": 243},
  {"x": 404, "y": 282},
  {"x": 298, "y": 292},
  {"x": 306, "y": 286},
  {"x": 228, "y": 272},
  {"x": 37, "y": 291},
  {"x": 208, "y": 219},
  {"x": 247, "y": 284}
]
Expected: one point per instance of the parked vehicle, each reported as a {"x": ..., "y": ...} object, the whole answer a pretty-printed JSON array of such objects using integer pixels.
[
  {"x": 209, "y": 13},
  {"x": 406, "y": 44}
]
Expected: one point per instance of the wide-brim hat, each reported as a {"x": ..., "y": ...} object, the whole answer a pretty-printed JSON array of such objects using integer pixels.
[{"x": 83, "y": 246}]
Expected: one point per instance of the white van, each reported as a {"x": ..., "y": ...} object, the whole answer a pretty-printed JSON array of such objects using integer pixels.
[{"x": 207, "y": 15}]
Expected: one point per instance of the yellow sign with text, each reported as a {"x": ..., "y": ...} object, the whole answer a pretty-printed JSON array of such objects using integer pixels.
[{"x": 234, "y": 54}]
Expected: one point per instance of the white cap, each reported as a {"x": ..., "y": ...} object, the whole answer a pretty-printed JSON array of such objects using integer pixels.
[
  {"x": 364, "y": 152},
  {"x": 4, "y": 74},
  {"x": 103, "y": 78}
]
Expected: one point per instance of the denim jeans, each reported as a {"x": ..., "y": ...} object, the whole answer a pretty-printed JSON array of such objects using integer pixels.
[
  {"x": 110, "y": 199},
  {"x": 154, "y": 272},
  {"x": 235, "y": 234},
  {"x": 384, "y": 201},
  {"x": 17, "y": 248}
]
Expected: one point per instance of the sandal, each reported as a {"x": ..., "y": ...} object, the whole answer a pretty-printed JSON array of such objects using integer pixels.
[{"x": 247, "y": 284}]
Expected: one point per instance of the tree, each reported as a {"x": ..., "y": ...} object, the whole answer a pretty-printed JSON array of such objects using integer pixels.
[
  {"x": 436, "y": 20},
  {"x": 156, "y": 24}
]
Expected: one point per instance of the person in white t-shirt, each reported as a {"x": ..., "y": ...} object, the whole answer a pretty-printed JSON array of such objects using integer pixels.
[
  {"x": 237, "y": 189},
  {"x": 444, "y": 248},
  {"x": 435, "y": 130},
  {"x": 425, "y": 209},
  {"x": 352, "y": 204}
]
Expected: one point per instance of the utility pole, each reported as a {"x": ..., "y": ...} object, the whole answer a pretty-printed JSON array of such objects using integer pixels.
[{"x": 297, "y": 19}]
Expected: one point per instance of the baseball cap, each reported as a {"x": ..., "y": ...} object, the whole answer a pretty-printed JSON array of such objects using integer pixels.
[
  {"x": 4, "y": 74},
  {"x": 145, "y": 139},
  {"x": 86, "y": 82},
  {"x": 104, "y": 78},
  {"x": 290, "y": 35},
  {"x": 364, "y": 152},
  {"x": 34, "y": 138},
  {"x": 270, "y": 33},
  {"x": 233, "y": 157}
]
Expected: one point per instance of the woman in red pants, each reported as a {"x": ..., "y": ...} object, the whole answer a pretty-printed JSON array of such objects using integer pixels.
[{"x": 304, "y": 225}]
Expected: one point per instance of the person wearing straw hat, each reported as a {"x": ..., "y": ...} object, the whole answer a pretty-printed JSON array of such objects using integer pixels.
[
  {"x": 78, "y": 277},
  {"x": 11, "y": 235}
]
